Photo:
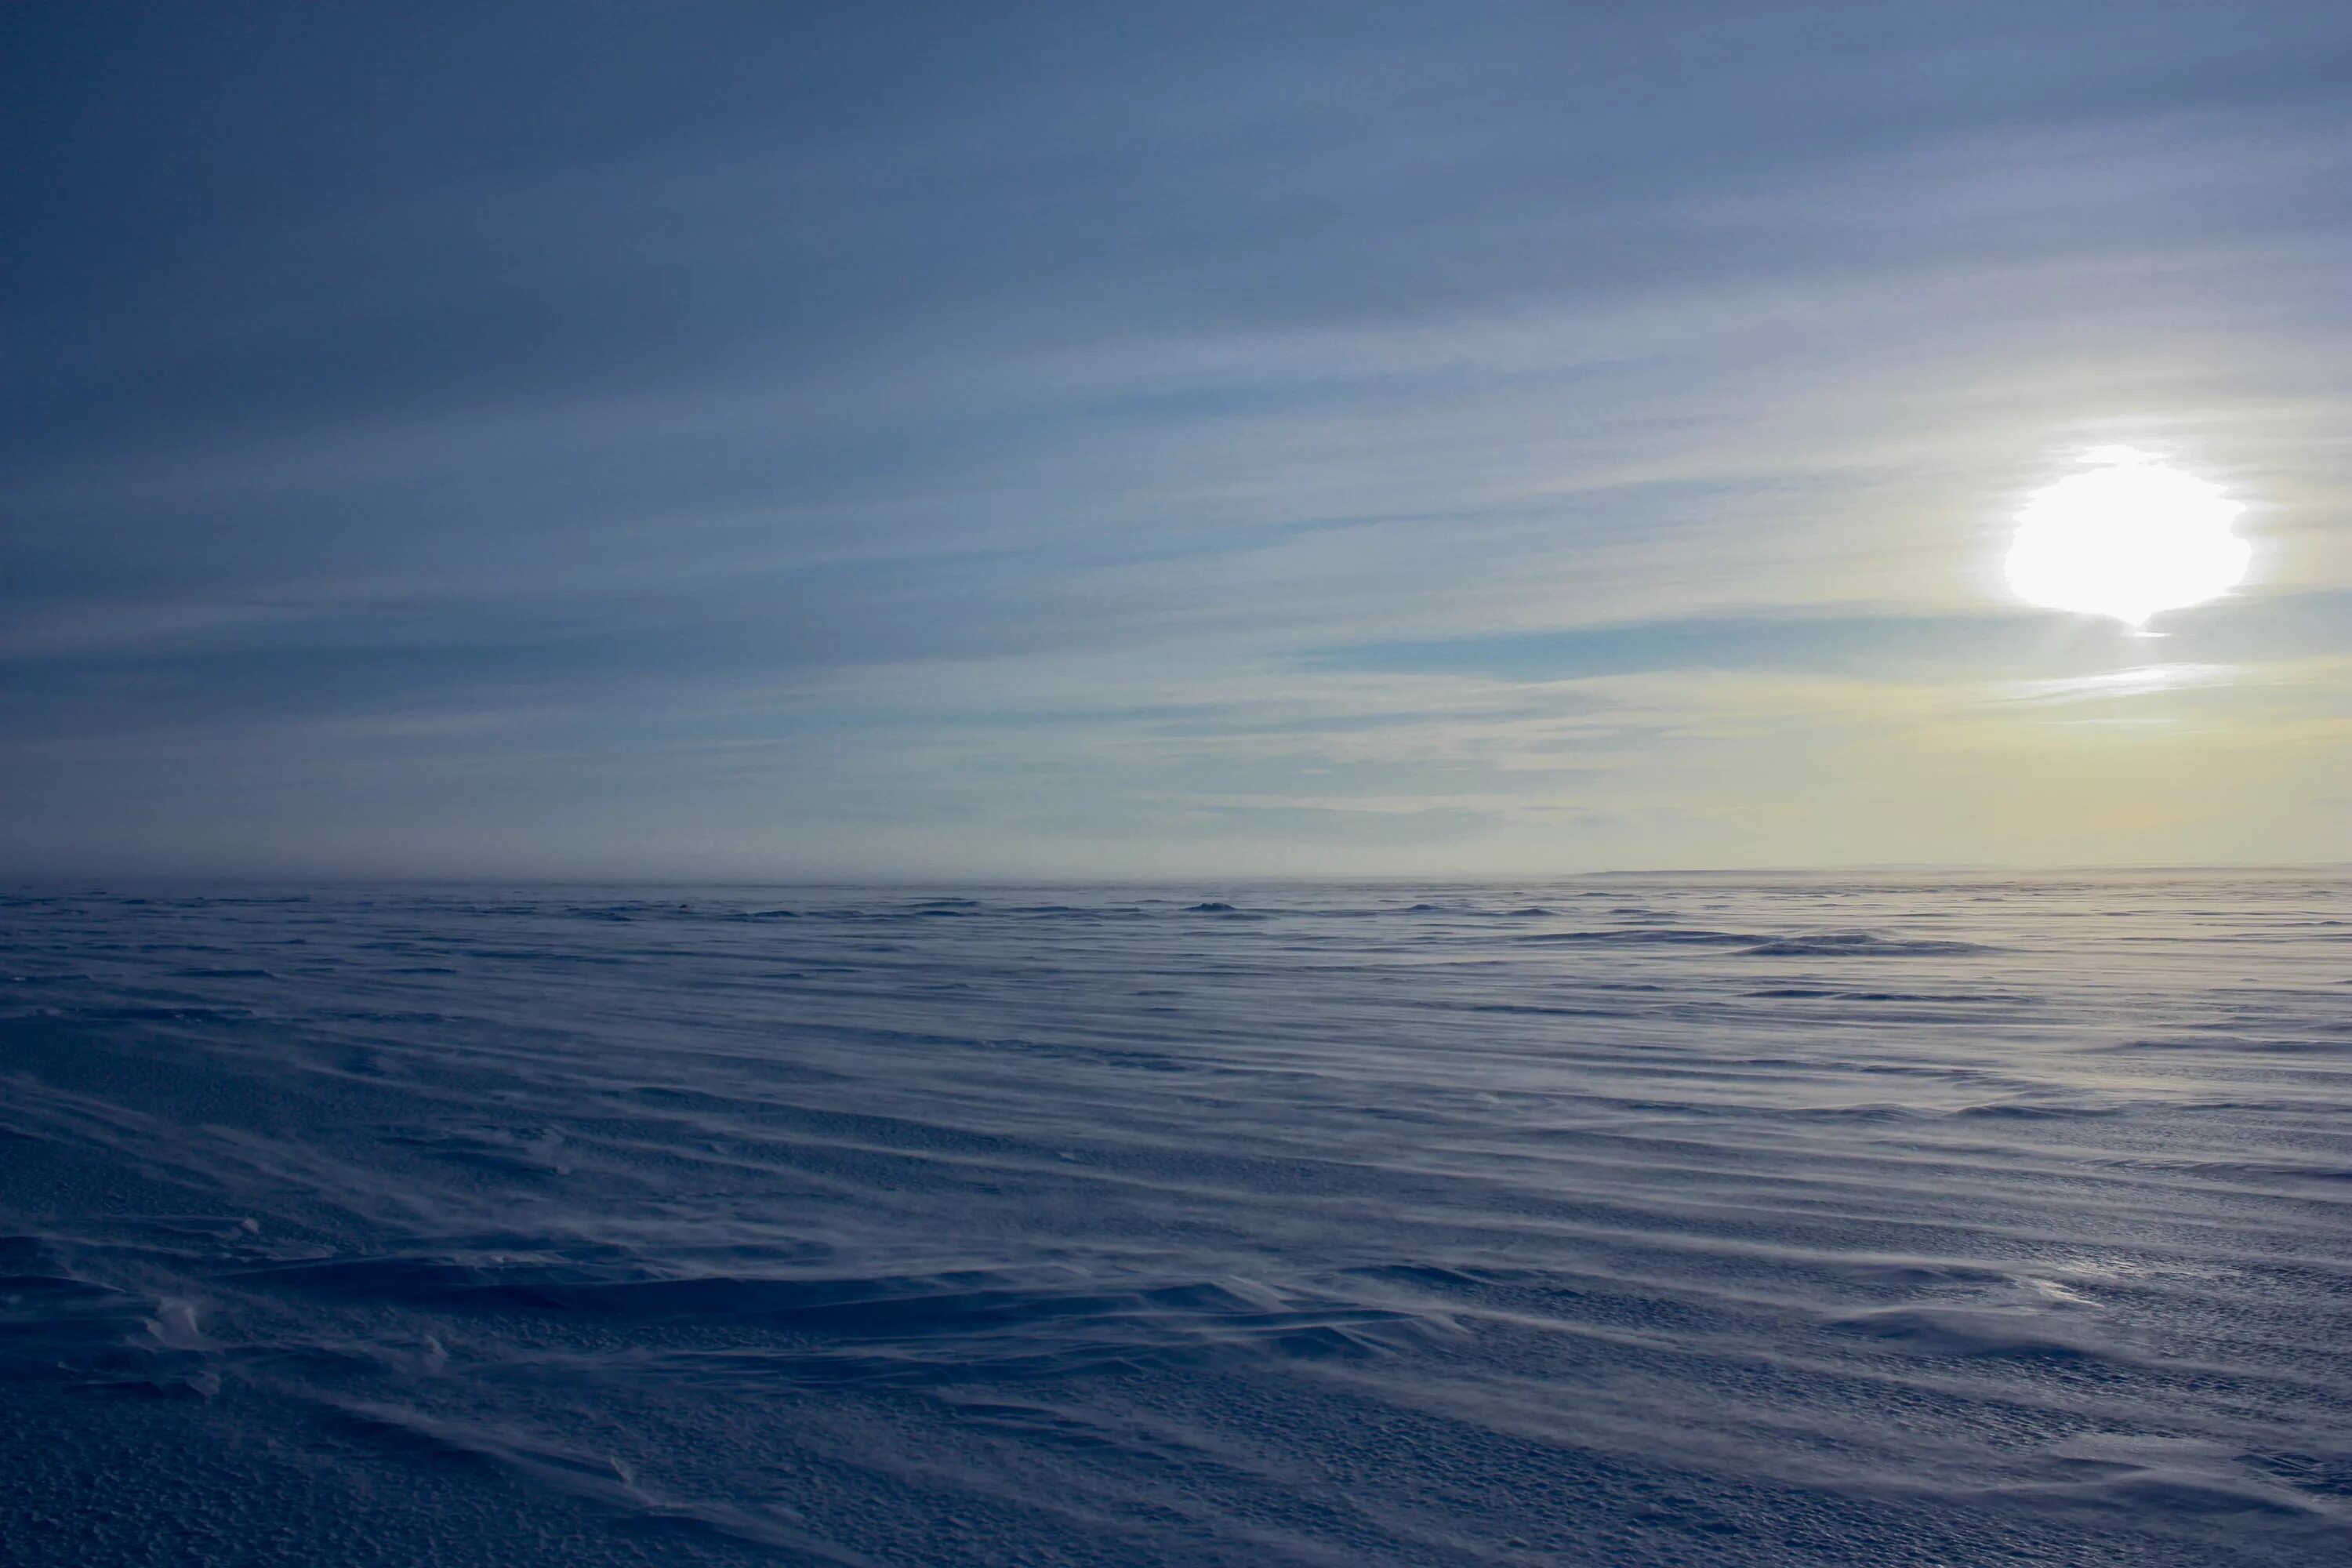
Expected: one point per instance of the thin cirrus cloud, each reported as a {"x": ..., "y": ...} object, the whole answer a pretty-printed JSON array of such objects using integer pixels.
[{"x": 1022, "y": 441}]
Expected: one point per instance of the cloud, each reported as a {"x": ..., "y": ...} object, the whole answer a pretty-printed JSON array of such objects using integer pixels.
[{"x": 789, "y": 430}]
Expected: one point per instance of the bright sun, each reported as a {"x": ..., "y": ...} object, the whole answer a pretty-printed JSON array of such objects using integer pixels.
[{"x": 2126, "y": 537}]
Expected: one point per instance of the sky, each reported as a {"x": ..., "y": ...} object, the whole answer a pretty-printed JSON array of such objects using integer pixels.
[{"x": 763, "y": 441}]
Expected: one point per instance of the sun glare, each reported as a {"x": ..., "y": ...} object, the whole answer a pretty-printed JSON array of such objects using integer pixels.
[{"x": 2128, "y": 536}]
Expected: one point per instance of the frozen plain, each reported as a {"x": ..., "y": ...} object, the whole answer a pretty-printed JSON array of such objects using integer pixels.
[{"x": 1951, "y": 1221}]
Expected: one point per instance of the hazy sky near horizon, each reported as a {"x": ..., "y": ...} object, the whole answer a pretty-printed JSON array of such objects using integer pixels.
[{"x": 744, "y": 440}]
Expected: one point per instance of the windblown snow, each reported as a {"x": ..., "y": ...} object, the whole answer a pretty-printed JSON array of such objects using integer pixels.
[{"x": 1900, "y": 1222}]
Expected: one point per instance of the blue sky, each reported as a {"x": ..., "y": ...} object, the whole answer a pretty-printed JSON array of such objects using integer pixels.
[{"x": 748, "y": 440}]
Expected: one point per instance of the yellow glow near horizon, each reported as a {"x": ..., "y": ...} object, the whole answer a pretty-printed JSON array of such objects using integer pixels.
[{"x": 2126, "y": 537}]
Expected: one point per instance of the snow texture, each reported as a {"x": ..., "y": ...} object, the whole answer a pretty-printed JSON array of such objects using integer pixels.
[{"x": 1910, "y": 1222}]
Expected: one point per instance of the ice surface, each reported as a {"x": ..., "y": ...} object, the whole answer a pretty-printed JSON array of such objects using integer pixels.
[{"x": 1923, "y": 1221}]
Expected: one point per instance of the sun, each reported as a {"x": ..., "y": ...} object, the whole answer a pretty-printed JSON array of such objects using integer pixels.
[{"x": 2128, "y": 536}]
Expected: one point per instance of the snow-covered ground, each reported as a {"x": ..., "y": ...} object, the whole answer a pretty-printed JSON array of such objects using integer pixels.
[{"x": 1955, "y": 1221}]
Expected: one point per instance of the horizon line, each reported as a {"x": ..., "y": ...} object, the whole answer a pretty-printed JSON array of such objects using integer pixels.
[{"x": 92, "y": 882}]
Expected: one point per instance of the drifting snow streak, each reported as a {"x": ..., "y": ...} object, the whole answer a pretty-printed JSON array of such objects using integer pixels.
[{"x": 1796, "y": 1223}]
